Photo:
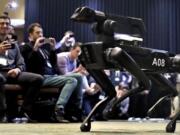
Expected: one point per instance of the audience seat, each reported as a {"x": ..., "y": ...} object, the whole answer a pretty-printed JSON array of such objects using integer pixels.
[
  {"x": 18, "y": 88},
  {"x": 14, "y": 100}
]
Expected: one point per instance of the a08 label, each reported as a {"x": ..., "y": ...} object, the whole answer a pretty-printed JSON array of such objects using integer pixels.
[{"x": 158, "y": 62}]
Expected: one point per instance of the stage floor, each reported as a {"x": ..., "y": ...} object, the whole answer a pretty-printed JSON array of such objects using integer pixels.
[{"x": 98, "y": 128}]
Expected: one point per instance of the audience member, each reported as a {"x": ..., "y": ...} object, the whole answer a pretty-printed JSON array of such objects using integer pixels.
[
  {"x": 67, "y": 64},
  {"x": 121, "y": 89},
  {"x": 40, "y": 58},
  {"x": 121, "y": 81},
  {"x": 12, "y": 71},
  {"x": 66, "y": 42},
  {"x": 90, "y": 98}
]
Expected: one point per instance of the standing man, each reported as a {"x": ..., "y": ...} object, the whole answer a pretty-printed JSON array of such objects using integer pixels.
[
  {"x": 12, "y": 69},
  {"x": 40, "y": 58}
]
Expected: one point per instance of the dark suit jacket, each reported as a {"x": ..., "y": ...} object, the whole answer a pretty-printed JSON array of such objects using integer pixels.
[{"x": 34, "y": 60}]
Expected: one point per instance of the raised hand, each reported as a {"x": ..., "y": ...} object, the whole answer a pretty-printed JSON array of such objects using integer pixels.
[{"x": 5, "y": 45}]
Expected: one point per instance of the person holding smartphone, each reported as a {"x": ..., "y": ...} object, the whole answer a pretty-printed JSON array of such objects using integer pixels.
[
  {"x": 66, "y": 43},
  {"x": 40, "y": 57},
  {"x": 12, "y": 71}
]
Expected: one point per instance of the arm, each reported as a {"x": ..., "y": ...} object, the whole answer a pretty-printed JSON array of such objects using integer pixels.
[
  {"x": 62, "y": 65},
  {"x": 58, "y": 45},
  {"x": 19, "y": 60},
  {"x": 61, "y": 43},
  {"x": 19, "y": 64}
]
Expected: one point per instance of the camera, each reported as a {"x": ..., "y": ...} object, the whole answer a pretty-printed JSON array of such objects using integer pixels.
[
  {"x": 45, "y": 41},
  {"x": 12, "y": 45},
  {"x": 71, "y": 35}
]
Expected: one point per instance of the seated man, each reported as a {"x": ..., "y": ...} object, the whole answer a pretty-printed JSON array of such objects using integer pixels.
[
  {"x": 67, "y": 64},
  {"x": 40, "y": 57},
  {"x": 12, "y": 69}
]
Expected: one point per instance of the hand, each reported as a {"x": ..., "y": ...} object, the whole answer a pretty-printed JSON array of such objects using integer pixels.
[
  {"x": 65, "y": 39},
  {"x": 84, "y": 72},
  {"x": 14, "y": 72},
  {"x": 5, "y": 45},
  {"x": 120, "y": 92},
  {"x": 81, "y": 67},
  {"x": 78, "y": 69},
  {"x": 90, "y": 91},
  {"x": 52, "y": 42},
  {"x": 39, "y": 42},
  {"x": 81, "y": 70}
]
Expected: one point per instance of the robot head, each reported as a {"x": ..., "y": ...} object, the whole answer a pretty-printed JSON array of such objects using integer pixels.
[
  {"x": 87, "y": 15},
  {"x": 112, "y": 26}
]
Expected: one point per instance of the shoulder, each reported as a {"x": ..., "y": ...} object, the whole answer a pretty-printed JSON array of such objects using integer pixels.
[
  {"x": 62, "y": 58},
  {"x": 63, "y": 55},
  {"x": 26, "y": 46}
]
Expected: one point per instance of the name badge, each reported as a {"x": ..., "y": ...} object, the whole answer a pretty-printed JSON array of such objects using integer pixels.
[
  {"x": 49, "y": 64},
  {"x": 3, "y": 61}
]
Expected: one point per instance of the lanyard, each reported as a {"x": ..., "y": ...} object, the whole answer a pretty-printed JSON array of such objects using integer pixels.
[
  {"x": 43, "y": 53},
  {"x": 46, "y": 57}
]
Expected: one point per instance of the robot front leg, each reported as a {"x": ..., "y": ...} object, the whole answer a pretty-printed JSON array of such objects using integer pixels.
[
  {"x": 122, "y": 59},
  {"x": 106, "y": 85}
]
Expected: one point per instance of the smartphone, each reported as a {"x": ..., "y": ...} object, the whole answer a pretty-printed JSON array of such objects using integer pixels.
[
  {"x": 71, "y": 35},
  {"x": 47, "y": 41},
  {"x": 12, "y": 45}
]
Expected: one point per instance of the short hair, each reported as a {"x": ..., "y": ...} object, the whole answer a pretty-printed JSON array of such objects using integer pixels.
[
  {"x": 69, "y": 32},
  {"x": 77, "y": 44},
  {"x": 31, "y": 27},
  {"x": 5, "y": 16}
]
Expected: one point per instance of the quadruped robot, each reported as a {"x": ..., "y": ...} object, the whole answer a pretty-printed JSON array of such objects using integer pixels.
[{"x": 118, "y": 45}]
